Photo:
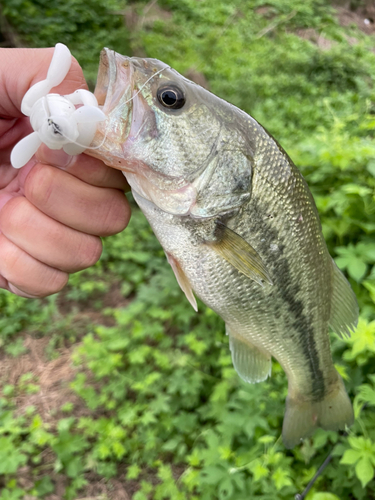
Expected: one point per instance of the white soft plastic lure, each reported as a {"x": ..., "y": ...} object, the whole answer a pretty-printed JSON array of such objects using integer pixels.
[{"x": 55, "y": 119}]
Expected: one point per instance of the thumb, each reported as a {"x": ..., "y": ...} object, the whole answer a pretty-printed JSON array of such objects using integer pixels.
[{"x": 21, "y": 68}]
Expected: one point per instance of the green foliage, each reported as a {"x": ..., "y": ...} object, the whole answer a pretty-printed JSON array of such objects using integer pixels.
[
  {"x": 361, "y": 454},
  {"x": 17, "y": 314},
  {"x": 86, "y": 27},
  {"x": 160, "y": 398}
]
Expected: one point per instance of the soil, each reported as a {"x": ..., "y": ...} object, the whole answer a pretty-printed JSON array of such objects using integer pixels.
[
  {"x": 360, "y": 13},
  {"x": 349, "y": 12}
]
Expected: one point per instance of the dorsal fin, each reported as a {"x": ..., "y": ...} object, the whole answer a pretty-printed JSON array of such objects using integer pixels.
[{"x": 344, "y": 306}]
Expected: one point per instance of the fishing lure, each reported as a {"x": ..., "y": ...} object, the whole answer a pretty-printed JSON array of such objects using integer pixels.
[{"x": 67, "y": 122}]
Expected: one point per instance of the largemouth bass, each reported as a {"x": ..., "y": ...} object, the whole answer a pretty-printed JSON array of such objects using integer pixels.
[{"x": 239, "y": 227}]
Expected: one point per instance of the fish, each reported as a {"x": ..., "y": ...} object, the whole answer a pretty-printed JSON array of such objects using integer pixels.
[{"x": 239, "y": 227}]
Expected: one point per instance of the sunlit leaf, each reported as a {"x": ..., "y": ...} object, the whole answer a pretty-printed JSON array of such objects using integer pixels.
[
  {"x": 364, "y": 471},
  {"x": 350, "y": 457}
]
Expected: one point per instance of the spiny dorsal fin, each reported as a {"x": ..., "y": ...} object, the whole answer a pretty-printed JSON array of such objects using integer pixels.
[
  {"x": 251, "y": 364},
  {"x": 344, "y": 306},
  {"x": 238, "y": 252},
  {"x": 182, "y": 280}
]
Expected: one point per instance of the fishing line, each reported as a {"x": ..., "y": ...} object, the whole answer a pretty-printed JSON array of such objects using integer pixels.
[
  {"x": 146, "y": 82},
  {"x": 83, "y": 145},
  {"x": 106, "y": 133},
  {"x": 302, "y": 496}
]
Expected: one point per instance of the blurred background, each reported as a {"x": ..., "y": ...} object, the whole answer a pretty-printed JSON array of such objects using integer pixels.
[{"x": 115, "y": 388}]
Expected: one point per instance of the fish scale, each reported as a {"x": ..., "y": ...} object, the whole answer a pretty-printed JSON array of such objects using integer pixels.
[{"x": 240, "y": 229}]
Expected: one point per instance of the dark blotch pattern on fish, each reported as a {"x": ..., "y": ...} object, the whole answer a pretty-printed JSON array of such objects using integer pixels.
[
  {"x": 303, "y": 325},
  {"x": 289, "y": 291}
]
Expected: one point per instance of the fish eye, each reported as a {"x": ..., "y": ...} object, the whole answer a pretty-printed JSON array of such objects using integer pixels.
[{"x": 171, "y": 97}]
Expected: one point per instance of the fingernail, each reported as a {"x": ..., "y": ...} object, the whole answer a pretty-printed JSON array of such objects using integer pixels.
[{"x": 55, "y": 157}]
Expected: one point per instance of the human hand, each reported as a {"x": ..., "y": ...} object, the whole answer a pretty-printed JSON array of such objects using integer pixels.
[{"x": 51, "y": 219}]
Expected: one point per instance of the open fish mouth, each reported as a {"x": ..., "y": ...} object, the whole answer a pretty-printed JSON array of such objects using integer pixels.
[
  {"x": 114, "y": 92},
  {"x": 118, "y": 91},
  {"x": 114, "y": 80}
]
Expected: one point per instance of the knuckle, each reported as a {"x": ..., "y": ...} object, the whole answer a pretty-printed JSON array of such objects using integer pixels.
[
  {"x": 10, "y": 256},
  {"x": 117, "y": 216},
  {"x": 15, "y": 215},
  {"x": 90, "y": 252},
  {"x": 53, "y": 282},
  {"x": 26, "y": 274},
  {"x": 39, "y": 185}
]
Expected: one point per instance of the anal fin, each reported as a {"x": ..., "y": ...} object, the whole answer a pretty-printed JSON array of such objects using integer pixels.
[
  {"x": 251, "y": 364},
  {"x": 344, "y": 306},
  {"x": 182, "y": 280}
]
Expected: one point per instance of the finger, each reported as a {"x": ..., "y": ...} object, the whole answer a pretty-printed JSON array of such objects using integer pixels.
[
  {"x": 33, "y": 63},
  {"x": 4, "y": 199},
  {"x": 7, "y": 174},
  {"x": 3, "y": 283},
  {"x": 20, "y": 293},
  {"x": 27, "y": 274},
  {"x": 86, "y": 168},
  {"x": 8, "y": 286},
  {"x": 90, "y": 209},
  {"x": 47, "y": 240},
  {"x": 11, "y": 131}
]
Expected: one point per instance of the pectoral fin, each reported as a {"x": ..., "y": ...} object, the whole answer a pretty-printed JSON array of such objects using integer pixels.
[
  {"x": 182, "y": 280},
  {"x": 238, "y": 252},
  {"x": 251, "y": 364}
]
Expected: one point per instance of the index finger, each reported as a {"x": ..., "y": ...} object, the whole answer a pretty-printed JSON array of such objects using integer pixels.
[
  {"x": 86, "y": 168},
  {"x": 21, "y": 68}
]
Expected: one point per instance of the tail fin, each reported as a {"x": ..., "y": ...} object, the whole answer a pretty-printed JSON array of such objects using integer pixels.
[{"x": 302, "y": 417}]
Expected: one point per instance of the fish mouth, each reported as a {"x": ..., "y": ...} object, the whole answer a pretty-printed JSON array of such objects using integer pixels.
[
  {"x": 114, "y": 79},
  {"x": 113, "y": 91},
  {"x": 106, "y": 75}
]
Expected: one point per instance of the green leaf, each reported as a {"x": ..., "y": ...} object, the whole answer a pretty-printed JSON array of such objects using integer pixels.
[
  {"x": 371, "y": 167},
  {"x": 364, "y": 471},
  {"x": 324, "y": 496},
  {"x": 357, "y": 268},
  {"x": 350, "y": 457},
  {"x": 366, "y": 394},
  {"x": 11, "y": 457},
  {"x": 44, "y": 486},
  {"x": 259, "y": 471},
  {"x": 362, "y": 340},
  {"x": 133, "y": 471},
  {"x": 281, "y": 478}
]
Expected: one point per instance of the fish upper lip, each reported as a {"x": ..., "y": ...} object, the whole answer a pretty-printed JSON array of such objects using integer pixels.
[
  {"x": 114, "y": 94},
  {"x": 106, "y": 76},
  {"x": 107, "y": 89}
]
